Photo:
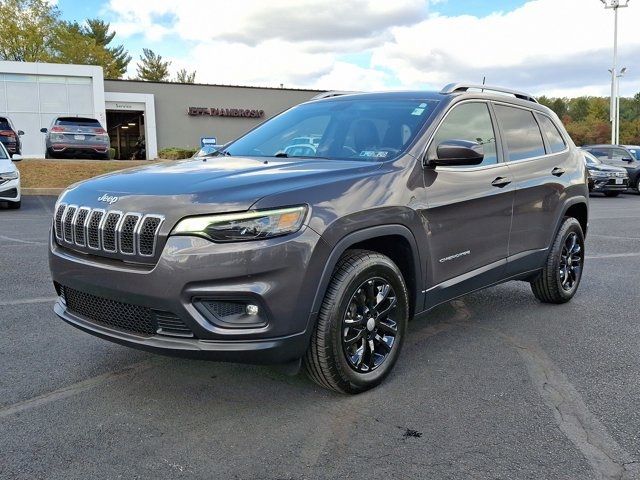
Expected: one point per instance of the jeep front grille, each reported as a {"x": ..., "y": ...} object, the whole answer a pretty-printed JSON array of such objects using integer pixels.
[{"x": 126, "y": 233}]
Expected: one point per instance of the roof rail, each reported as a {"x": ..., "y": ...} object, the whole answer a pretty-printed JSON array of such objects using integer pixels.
[
  {"x": 463, "y": 87},
  {"x": 333, "y": 93}
]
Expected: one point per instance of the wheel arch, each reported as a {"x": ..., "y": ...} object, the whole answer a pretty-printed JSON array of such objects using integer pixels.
[{"x": 396, "y": 242}]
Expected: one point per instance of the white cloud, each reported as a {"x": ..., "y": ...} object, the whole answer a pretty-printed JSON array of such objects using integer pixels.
[{"x": 558, "y": 47}]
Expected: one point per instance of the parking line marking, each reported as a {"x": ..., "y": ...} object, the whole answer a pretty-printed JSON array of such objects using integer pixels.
[
  {"x": 27, "y": 301},
  {"x": 613, "y": 255},
  {"x": 613, "y": 237},
  {"x": 28, "y": 242},
  {"x": 75, "y": 389}
]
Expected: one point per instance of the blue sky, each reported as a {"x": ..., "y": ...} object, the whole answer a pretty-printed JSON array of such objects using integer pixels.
[{"x": 378, "y": 44}]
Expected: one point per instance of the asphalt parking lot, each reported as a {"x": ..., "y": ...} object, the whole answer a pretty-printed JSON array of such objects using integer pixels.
[{"x": 494, "y": 385}]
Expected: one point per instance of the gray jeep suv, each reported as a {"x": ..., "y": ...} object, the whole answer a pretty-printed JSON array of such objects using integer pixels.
[{"x": 407, "y": 200}]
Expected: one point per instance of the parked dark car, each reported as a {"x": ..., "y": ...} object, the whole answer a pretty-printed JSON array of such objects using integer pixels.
[
  {"x": 611, "y": 181},
  {"x": 409, "y": 200},
  {"x": 618, "y": 156},
  {"x": 10, "y": 136},
  {"x": 76, "y": 137}
]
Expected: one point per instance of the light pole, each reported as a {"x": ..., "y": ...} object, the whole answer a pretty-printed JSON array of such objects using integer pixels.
[
  {"x": 614, "y": 114},
  {"x": 618, "y": 76}
]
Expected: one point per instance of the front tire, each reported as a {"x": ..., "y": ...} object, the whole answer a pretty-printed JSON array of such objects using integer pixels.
[
  {"x": 361, "y": 326},
  {"x": 560, "y": 277},
  {"x": 14, "y": 205},
  {"x": 611, "y": 194}
]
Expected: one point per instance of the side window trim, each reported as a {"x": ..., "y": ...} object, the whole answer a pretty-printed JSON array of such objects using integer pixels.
[
  {"x": 494, "y": 124},
  {"x": 544, "y": 141}
]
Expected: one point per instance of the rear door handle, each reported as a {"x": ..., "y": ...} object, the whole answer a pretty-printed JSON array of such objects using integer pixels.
[
  {"x": 501, "y": 182},
  {"x": 557, "y": 171}
]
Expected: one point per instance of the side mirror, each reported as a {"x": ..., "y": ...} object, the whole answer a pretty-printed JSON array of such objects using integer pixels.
[
  {"x": 43, "y": 130},
  {"x": 20, "y": 133},
  {"x": 457, "y": 153},
  {"x": 16, "y": 157},
  {"x": 627, "y": 159}
]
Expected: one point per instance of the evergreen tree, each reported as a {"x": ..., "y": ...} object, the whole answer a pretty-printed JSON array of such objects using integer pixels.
[
  {"x": 152, "y": 67},
  {"x": 185, "y": 77},
  {"x": 98, "y": 30}
]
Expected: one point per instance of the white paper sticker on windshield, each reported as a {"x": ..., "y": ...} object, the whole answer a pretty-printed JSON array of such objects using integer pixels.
[
  {"x": 374, "y": 154},
  {"x": 417, "y": 111}
]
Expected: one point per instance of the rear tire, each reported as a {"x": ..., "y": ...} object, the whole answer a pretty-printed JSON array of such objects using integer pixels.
[
  {"x": 361, "y": 325},
  {"x": 611, "y": 194},
  {"x": 560, "y": 277}
]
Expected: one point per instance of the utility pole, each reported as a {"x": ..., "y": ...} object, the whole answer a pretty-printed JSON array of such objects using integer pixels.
[{"x": 614, "y": 113}]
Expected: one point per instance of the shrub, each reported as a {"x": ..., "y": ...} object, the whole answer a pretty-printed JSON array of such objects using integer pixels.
[
  {"x": 176, "y": 153},
  {"x": 112, "y": 153}
]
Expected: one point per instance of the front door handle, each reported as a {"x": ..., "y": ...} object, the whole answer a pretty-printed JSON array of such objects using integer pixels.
[
  {"x": 557, "y": 171},
  {"x": 501, "y": 182}
]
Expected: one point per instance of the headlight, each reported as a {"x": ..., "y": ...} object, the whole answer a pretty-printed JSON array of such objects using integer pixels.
[
  {"x": 598, "y": 174},
  {"x": 238, "y": 227},
  {"x": 9, "y": 175}
]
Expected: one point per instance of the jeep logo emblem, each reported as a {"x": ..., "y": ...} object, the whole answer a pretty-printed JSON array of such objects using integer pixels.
[{"x": 108, "y": 199}]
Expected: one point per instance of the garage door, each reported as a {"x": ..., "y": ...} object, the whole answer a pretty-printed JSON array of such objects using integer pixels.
[{"x": 33, "y": 101}]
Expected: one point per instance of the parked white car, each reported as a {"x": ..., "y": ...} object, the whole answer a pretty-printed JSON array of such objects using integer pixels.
[{"x": 9, "y": 178}]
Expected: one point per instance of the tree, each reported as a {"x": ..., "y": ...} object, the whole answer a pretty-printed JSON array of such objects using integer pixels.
[
  {"x": 70, "y": 44},
  {"x": 27, "y": 30},
  {"x": 559, "y": 106},
  {"x": 185, "y": 77},
  {"x": 152, "y": 68},
  {"x": 98, "y": 30},
  {"x": 579, "y": 108}
]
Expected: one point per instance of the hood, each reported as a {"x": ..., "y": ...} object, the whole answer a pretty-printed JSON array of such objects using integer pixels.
[
  {"x": 605, "y": 168},
  {"x": 212, "y": 185},
  {"x": 7, "y": 166}
]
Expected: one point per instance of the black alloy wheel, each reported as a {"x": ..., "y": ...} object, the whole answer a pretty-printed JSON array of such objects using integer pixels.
[
  {"x": 369, "y": 327},
  {"x": 570, "y": 267}
]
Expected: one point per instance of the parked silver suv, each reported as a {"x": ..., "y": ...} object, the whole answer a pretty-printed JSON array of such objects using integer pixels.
[
  {"x": 74, "y": 137},
  {"x": 407, "y": 200}
]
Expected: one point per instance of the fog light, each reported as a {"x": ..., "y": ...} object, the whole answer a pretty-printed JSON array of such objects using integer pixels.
[{"x": 251, "y": 309}]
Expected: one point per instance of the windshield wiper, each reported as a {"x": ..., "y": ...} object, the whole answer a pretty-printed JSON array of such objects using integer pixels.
[{"x": 281, "y": 155}]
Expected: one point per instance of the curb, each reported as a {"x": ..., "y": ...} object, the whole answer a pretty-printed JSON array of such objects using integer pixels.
[{"x": 42, "y": 191}]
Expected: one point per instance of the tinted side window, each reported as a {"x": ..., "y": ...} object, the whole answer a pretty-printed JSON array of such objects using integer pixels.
[
  {"x": 556, "y": 142},
  {"x": 471, "y": 122},
  {"x": 598, "y": 152},
  {"x": 619, "y": 154},
  {"x": 521, "y": 133}
]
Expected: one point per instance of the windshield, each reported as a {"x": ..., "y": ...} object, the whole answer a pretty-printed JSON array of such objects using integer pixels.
[
  {"x": 78, "y": 121},
  {"x": 358, "y": 128},
  {"x": 4, "y": 155},
  {"x": 590, "y": 159},
  {"x": 635, "y": 151}
]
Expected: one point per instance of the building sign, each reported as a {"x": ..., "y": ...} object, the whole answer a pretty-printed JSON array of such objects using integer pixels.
[{"x": 225, "y": 112}]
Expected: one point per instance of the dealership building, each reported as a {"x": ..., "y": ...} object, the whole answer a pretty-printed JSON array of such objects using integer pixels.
[{"x": 165, "y": 114}]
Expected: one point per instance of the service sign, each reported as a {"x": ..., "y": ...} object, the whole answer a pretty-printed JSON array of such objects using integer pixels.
[{"x": 204, "y": 141}]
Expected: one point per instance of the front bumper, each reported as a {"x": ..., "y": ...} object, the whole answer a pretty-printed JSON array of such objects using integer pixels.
[
  {"x": 609, "y": 185},
  {"x": 10, "y": 191},
  {"x": 271, "y": 273}
]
